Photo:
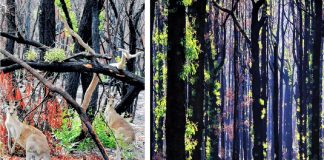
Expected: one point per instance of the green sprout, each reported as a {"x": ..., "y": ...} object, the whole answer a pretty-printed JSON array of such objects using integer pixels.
[
  {"x": 54, "y": 55},
  {"x": 32, "y": 55}
]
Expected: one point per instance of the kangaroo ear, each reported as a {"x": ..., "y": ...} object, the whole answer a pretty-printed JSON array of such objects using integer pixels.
[{"x": 7, "y": 102}]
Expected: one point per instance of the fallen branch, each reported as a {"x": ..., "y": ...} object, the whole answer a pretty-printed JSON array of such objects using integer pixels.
[
  {"x": 20, "y": 39},
  {"x": 125, "y": 76},
  {"x": 84, "y": 118},
  {"x": 7, "y": 62}
]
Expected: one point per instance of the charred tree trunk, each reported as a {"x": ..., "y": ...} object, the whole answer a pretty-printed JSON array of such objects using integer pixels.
[
  {"x": 176, "y": 98},
  {"x": 28, "y": 23},
  {"x": 73, "y": 80},
  {"x": 301, "y": 82},
  {"x": 196, "y": 100},
  {"x": 236, "y": 147},
  {"x": 259, "y": 129},
  {"x": 84, "y": 32},
  {"x": 132, "y": 39},
  {"x": 159, "y": 127},
  {"x": 152, "y": 137},
  {"x": 316, "y": 101},
  {"x": 46, "y": 24},
  {"x": 264, "y": 80},
  {"x": 10, "y": 44},
  {"x": 213, "y": 106},
  {"x": 282, "y": 63},
  {"x": 275, "y": 104}
]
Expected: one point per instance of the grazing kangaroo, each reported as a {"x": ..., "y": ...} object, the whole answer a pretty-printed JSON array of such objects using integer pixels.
[
  {"x": 122, "y": 130},
  {"x": 32, "y": 139}
]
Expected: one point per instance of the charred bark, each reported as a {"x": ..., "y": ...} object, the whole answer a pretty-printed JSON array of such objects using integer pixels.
[
  {"x": 176, "y": 98},
  {"x": 46, "y": 24}
]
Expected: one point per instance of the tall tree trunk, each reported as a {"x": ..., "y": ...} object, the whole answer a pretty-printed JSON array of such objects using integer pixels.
[
  {"x": 28, "y": 23},
  {"x": 223, "y": 88},
  {"x": 92, "y": 108},
  {"x": 152, "y": 146},
  {"x": 259, "y": 137},
  {"x": 264, "y": 80},
  {"x": 275, "y": 102},
  {"x": 196, "y": 100},
  {"x": 236, "y": 148},
  {"x": 46, "y": 24},
  {"x": 289, "y": 136},
  {"x": 301, "y": 82},
  {"x": 160, "y": 92},
  {"x": 132, "y": 38},
  {"x": 212, "y": 109},
  {"x": 282, "y": 63},
  {"x": 84, "y": 32},
  {"x": 316, "y": 101},
  {"x": 10, "y": 20},
  {"x": 176, "y": 98},
  {"x": 245, "y": 115}
]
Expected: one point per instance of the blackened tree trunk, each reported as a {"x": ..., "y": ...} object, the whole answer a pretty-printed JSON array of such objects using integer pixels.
[
  {"x": 223, "y": 88},
  {"x": 301, "y": 82},
  {"x": 160, "y": 94},
  {"x": 176, "y": 98},
  {"x": 289, "y": 139},
  {"x": 87, "y": 77},
  {"x": 27, "y": 25},
  {"x": 213, "y": 106},
  {"x": 264, "y": 80},
  {"x": 245, "y": 115},
  {"x": 152, "y": 146},
  {"x": 10, "y": 44},
  {"x": 159, "y": 91},
  {"x": 46, "y": 24},
  {"x": 223, "y": 82},
  {"x": 132, "y": 38},
  {"x": 92, "y": 108},
  {"x": 316, "y": 103},
  {"x": 196, "y": 101},
  {"x": 275, "y": 104},
  {"x": 73, "y": 80},
  {"x": 236, "y": 148},
  {"x": 84, "y": 32},
  {"x": 259, "y": 137},
  {"x": 281, "y": 84}
]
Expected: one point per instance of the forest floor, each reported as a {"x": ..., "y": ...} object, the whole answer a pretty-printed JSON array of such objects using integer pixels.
[{"x": 138, "y": 150}]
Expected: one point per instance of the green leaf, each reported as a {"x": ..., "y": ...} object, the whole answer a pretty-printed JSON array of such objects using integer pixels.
[{"x": 261, "y": 102}]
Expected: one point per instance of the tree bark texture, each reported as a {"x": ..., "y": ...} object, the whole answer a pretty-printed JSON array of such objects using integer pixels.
[{"x": 176, "y": 98}]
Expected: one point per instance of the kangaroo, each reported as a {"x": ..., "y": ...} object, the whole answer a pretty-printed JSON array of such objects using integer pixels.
[
  {"x": 95, "y": 79},
  {"x": 29, "y": 137},
  {"x": 122, "y": 130}
]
